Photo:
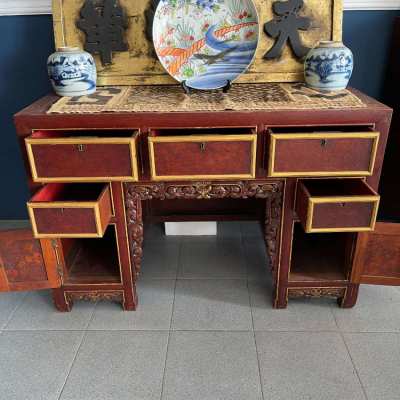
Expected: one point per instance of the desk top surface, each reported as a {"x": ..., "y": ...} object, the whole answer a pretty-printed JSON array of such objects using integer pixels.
[{"x": 270, "y": 103}]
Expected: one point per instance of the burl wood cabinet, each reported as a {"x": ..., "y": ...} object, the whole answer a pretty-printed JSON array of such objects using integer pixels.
[{"x": 309, "y": 176}]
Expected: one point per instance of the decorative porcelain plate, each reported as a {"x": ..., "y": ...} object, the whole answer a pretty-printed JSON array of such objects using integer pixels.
[{"x": 206, "y": 43}]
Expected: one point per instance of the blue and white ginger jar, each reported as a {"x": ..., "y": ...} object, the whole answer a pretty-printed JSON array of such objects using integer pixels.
[
  {"x": 72, "y": 72},
  {"x": 329, "y": 66}
]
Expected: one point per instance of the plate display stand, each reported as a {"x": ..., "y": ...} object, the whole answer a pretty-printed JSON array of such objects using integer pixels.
[{"x": 188, "y": 90}]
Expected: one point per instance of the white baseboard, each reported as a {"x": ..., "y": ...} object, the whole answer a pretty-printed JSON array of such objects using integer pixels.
[
  {"x": 191, "y": 228},
  {"x": 32, "y": 7}
]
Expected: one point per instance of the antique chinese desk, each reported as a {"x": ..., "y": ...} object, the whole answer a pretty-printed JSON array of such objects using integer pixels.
[{"x": 306, "y": 165}]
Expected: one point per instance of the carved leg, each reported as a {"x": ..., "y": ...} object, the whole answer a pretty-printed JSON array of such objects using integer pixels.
[
  {"x": 124, "y": 230},
  {"x": 135, "y": 229},
  {"x": 350, "y": 298},
  {"x": 280, "y": 298},
  {"x": 273, "y": 229},
  {"x": 61, "y": 302},
  {"x": 128, "y": 304}
]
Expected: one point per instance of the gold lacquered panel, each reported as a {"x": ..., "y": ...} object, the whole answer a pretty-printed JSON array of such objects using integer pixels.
[{"x": 140, "y": 66}]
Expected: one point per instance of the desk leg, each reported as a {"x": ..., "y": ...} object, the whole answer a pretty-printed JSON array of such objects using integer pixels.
[
  {"x": 274, "y": 241},
  {"x": 60, "y": 301},
  {"x": 135, "y": 230},
  {"x": 130, "y": 235},
  {"x": 350, "y": 298}
]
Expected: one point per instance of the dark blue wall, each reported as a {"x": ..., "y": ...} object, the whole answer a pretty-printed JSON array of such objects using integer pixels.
[
  {"x": 368, "y": 34},
  {"x": 27, "y": 41}
]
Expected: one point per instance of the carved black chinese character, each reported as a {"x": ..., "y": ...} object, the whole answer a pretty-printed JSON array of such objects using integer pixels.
[
  {"x": 105, "y": 27},
  {"x": 285, "y": 27}
]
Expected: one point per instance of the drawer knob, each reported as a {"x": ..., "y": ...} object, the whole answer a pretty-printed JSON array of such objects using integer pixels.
[
  {"x": 324, "y": 143},
  {"x": 203, "y": 146},
  {"x": 81, "y": 147}
]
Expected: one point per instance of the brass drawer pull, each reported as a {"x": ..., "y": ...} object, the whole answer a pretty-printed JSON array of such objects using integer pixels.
[
  {"x": 203, "y": 146},
  {"x": 81, "y": 147},
  {"x": 324, "y": 143}
]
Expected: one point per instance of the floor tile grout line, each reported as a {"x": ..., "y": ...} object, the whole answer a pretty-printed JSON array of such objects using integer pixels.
[
  {"x": 85, "y": 333},
  {"x": 189, "y": 331},
  {"x": 91, "y": 316},
  {"x": 255, "y": 342},
  {"x": 170, "y": 321},
  {"x": 348, "y": 352},
  {"x": 10, "y": 317},
  {"x": 354, "y": 366}
]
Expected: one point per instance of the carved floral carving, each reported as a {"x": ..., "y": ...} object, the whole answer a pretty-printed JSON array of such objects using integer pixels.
[
  {"x": 317, "y": 292},
  {"x": 95, "y": 296},
  {"x": 135, "y": 227}
]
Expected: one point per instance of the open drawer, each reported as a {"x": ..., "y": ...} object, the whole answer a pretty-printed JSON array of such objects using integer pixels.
[
  {"x": 70, "y": 211},
  {"x": 203, "y": 154},
  {"x": 89, "y": 156},
  {"x": 327, "y": 151},
  {"x": 336, "y": 205}
]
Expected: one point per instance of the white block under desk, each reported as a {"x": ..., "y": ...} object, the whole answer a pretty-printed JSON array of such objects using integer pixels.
[{"x": 191, "y": 228}]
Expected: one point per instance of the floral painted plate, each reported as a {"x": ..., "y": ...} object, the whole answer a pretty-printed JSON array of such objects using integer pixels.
[{"x": 206, "y": 43}]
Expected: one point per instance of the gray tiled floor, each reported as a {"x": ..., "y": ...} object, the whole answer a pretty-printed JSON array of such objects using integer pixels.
[{"x": 205, "y": 329}]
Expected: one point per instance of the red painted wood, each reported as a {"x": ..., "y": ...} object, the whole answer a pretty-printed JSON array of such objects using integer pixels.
[
  {"x": 217, "y": 158},
  {"x": 96, "y": 160},
  {"x": 336, "y": 155},
  {"x": 374, "y": 115}
]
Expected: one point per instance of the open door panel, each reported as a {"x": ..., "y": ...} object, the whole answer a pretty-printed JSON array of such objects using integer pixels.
[
  {"x": 27, "y": 263},
  {"x": 377, "y": 257}
]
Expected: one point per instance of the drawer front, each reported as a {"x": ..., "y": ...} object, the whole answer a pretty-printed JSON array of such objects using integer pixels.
[
  {"x": 353, "y": 213},
  {"x": 325, "y": 154},
  {"x": 71, "y": 219},
  {"x": 203, "y": 157},
  {"x": 82, "y": 159}
]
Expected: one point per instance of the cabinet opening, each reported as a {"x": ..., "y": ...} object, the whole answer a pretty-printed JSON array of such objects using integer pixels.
[
  {"x": 92, "y": 261},
  {"x": 337, "y": 187},
  {"x": 321, "y": 257},
  {"x": 202, "y": 131},
  {"x": 79, "y": 192},
  {"x": 322, "y": 129},
  {"x": 83, "y": 133},
  {"x": 201, "y": 210}
]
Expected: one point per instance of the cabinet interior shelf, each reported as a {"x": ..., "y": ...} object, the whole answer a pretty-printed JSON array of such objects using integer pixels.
[
  {"x": 320, "y": 257},
  {"x": 92, "y": 261}
]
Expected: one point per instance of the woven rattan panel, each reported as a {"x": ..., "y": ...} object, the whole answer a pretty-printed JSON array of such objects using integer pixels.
[{"x": 241, "y": 97}]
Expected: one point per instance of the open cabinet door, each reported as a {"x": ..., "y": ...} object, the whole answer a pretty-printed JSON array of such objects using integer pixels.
[
  {"x": 27, "y": 263},
  {"x": 377, "y": 256}
]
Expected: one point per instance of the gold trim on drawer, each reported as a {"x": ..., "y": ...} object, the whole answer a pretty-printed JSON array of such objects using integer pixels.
[
  {"x": 202, "y": 138},
  {"x": 29, "y": 141},
  {"x": 92, "y": 205},
  {"x": 288, "y": 136},
  {"x": 341, "y": 199}
]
